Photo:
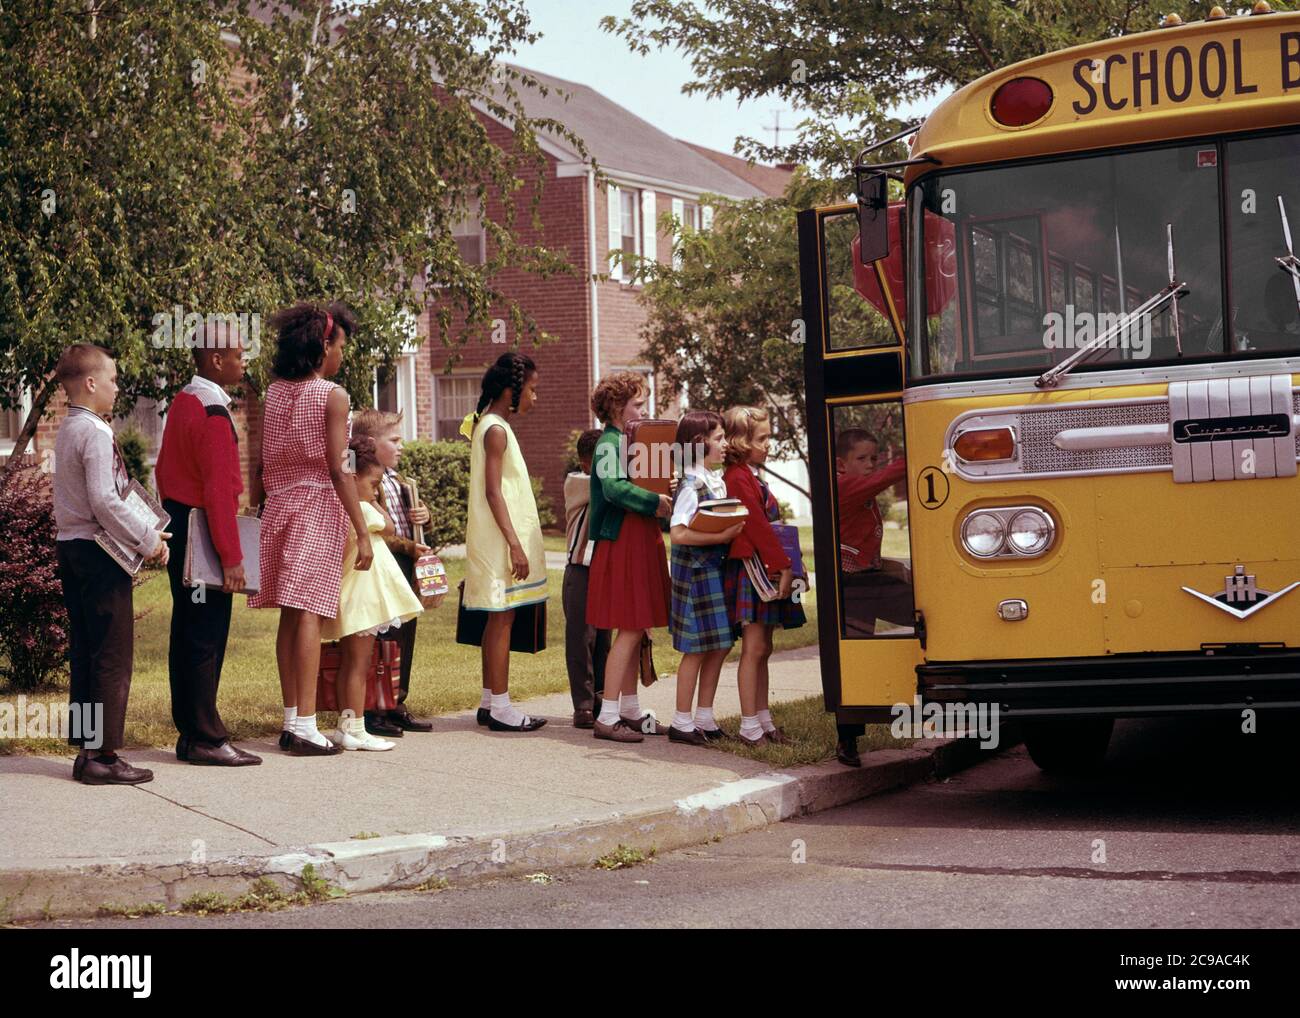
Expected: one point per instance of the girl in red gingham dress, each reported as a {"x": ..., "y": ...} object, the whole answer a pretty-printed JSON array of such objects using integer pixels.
[{"x": 310, "y": 502}]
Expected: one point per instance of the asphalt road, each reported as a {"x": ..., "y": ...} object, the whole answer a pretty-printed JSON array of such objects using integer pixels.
[{"x": 1189, "y": 824}]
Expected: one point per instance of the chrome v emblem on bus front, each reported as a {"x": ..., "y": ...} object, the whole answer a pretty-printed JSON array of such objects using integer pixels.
[{"x": 1240, "y": 597}]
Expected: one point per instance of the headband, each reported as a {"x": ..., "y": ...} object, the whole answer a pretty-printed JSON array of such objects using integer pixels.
[{"x": 329, "y": 328}]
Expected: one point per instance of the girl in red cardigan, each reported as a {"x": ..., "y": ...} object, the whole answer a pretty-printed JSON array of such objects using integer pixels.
[{"x": 748, "y": 432}]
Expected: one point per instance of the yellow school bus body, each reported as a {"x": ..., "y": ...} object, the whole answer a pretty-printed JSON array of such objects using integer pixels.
[{"x": 1127, "y": 542}]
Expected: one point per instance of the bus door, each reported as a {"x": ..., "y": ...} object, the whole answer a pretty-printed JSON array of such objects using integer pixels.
[{"x": 870, "y": 636}]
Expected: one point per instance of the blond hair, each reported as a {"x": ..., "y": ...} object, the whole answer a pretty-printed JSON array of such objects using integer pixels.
[
  {"x": 741, "y": 422},
  {"x": 78, "y": 361},
  {"x": 374, "y": 422}
]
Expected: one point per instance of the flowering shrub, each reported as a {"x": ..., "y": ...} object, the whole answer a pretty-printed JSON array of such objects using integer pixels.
[{"x": 33, "y": 622}]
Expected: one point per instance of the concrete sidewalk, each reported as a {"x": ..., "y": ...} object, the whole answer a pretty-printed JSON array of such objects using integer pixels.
[{"x": 459, "y": 800}]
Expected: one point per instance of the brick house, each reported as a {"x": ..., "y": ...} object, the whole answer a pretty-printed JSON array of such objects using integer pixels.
[{"x": 596, "y": 322}]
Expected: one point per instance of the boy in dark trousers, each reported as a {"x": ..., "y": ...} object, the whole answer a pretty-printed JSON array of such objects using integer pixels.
[
  {"x": 585, "y": 647},
  {"x": 198, "y": 468},
  {"x": 89, "y": 481}
]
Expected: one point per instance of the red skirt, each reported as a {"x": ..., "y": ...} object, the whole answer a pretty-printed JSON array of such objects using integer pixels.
[{"x": 629, "y": 587}]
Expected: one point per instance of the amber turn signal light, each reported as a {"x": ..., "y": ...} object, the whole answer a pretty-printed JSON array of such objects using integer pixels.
[{"x": 985, "y": 444}]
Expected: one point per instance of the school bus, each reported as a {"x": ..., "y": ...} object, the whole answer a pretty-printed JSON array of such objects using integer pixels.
[{"x": 1079, "y": 329}]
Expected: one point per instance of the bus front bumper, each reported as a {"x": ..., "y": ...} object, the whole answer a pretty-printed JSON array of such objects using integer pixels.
[{"x": 1122, "y": 685}]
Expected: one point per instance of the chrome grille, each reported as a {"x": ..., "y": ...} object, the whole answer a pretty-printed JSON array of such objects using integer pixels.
[{"x": 1039, "y": 427}]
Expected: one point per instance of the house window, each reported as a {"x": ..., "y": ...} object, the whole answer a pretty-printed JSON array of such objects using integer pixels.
[
  {"x": 630, "y": 209},
  {"x": 395, "y": 392},
  {"x": 454, "y": 397},
  {"x": 470, "y": 237}
]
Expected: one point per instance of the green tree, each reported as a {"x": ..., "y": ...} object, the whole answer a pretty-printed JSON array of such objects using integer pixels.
[
  {"x": 149, "y": 163},
  {"x": 849, "y": 64}
]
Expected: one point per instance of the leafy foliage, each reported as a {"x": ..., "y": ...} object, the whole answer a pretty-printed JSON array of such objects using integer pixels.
[
  {"x": 441, "y": 472},
  {"x": 135, "y": 454},
  {"x": 33, "y": 621},
  {"x": 150, "y": 164}
]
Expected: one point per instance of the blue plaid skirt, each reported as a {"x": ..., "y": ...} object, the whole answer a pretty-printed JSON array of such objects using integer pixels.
[
  {"x": 747, "y": 606},
  {"x": 699, "y": 620}
]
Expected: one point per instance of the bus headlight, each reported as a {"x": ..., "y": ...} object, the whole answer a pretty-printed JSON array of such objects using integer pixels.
[
  {"x": 1008, "y": 532},
  {"x": 983, "y": 534},
  {"x": 1030, "y": 532}
]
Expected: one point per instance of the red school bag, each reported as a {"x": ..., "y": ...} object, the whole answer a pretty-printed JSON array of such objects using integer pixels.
[{"x": 382, "y": 684}]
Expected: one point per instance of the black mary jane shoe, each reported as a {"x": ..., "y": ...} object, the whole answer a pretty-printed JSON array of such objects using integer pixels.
[
  {"x": 500, "y": 726},
  {"x": 286, "y": 738},
  {"x": 385, "y": 727},
  {"x": 846, "y": 752},
  {"x": 483, "y": 716},
  {"x": 406, "y": 721},
  {"x": 225, "y": 755},
  {"x": 119, "y": 772},
  {"x": 298, "y": 746}
]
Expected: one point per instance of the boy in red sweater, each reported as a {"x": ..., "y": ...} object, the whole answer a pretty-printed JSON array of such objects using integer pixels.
[
  {"x": 874, "y": 587},
  {"x": 198, "y": 468}
]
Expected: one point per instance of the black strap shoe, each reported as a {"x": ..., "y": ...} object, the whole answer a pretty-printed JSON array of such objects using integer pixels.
[
  {"x": 119, "y": 772},
  {"x": 224, "y": 755},
  {"x": 298, "y": 746},
  {"x": 531, "y": 725},
  {"x": 483, "y": 716},
  {"x": 380, "y": 724},
  {"x": 285, "y": 738},
  {"x": 406, "y": 721}
]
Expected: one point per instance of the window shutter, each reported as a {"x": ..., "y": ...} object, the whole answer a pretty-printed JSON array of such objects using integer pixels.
[
  {"x": 648, "y": 226},
  {"x": 679, "y": 213},
  {"x": 706, "y": 217},
  {"x": 615, "y": 228}
]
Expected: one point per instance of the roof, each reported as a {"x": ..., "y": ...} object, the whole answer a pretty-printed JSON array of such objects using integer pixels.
[
  {"x": 771, "y": 180},
  {"x": 620, "y": 140}
]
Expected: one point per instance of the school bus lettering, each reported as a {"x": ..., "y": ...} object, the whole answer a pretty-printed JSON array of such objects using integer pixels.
[
  {"x": 1290, "y": 59},
  {"x": 1176, "y": 75}
]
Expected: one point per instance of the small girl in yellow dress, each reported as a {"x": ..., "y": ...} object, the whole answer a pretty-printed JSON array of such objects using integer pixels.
[{"x": 371, "y": 601}]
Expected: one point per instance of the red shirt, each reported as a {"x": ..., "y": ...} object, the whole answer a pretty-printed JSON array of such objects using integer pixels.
[
  {"x": 758, "y": 534},
  {"x": 198, "y": 466},
  {"x": 862, "y": 527}
]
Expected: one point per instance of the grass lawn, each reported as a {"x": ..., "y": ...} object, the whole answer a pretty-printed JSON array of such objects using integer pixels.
[
  {"x": 446, "y": 676},
  {"x": 812, "y": 732}
]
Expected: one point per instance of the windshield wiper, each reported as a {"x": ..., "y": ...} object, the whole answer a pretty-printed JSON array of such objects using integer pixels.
[
  {"x": 1171, "y": 292},
  {"x": 1290, "y": 263}
]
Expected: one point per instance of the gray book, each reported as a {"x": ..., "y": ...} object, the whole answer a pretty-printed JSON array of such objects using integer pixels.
[{"x": 203, "y": 564}]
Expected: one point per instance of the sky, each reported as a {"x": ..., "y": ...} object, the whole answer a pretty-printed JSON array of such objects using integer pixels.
[{"x": 574, "y": 47}]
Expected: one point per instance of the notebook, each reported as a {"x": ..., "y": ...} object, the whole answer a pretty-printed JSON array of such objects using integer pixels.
[{"x": 203, "y": 565}]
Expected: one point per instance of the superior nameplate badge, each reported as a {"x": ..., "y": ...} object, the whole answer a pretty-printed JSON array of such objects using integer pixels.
[{"x": 1241, "y": 598}]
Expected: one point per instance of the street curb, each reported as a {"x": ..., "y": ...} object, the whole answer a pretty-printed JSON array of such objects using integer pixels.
[{"x": 406, "y": 861}]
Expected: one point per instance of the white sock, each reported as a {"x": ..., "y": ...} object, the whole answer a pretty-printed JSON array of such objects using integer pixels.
[
  {"x": 750, "y": 728},
  {"x": 630, "y": 706},
  {"x": 305, "y": 728},
  {"x": 765, "y": 719},
  {"x": 505, "y": 711},
  {"x": 485, "y": 701},
  {"x": 683, "y": 721},
  {"x": 290, "y": 716},
  {"x": 608, "y": 711},
  {"x": 704, "y": 719}
]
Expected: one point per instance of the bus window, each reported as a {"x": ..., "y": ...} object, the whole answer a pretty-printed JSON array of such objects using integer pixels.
[
  {"x": 853, "y": 321},
  {"x": 875, "y": 557},
  {"x": 1044, "y": 251},
  {"x": 1264, "y": 296}
]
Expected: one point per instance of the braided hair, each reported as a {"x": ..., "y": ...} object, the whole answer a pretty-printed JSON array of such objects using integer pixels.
[{"x": 510, "y": 371}]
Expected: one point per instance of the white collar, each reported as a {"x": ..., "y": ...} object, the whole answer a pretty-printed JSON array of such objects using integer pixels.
[
  {"x": 211, "y": 387},
  {"x": 99, "y": 421}
]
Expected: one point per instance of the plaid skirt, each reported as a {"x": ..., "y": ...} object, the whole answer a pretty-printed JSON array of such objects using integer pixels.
[
  {"x": 699, "y": 620},
  {"x": 746, "y": 606}
]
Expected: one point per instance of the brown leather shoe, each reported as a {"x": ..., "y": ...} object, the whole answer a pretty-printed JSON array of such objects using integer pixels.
[
  {"x": 619, "y": 731},
  {"x": 583, "y": 719},
  {"x": 777, "y": 736},
  {"x": 692, "y": 738},
  {"x": 646, "y": 725},
  {"x": 760, "y": 741}
]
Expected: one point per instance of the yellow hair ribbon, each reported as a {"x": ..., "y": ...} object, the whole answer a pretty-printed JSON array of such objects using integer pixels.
[{"x": 467, "y": 425}]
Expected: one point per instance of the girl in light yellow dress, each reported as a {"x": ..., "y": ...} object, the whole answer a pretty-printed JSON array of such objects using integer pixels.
[{"x": 371, "y": 601}]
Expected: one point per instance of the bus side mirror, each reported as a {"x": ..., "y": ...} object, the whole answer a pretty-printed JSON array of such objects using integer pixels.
[{"x": 873, "y": 217}]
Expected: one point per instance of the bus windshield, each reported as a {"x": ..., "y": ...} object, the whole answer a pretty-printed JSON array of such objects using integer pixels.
[{"x": 1025, "y": 264}]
